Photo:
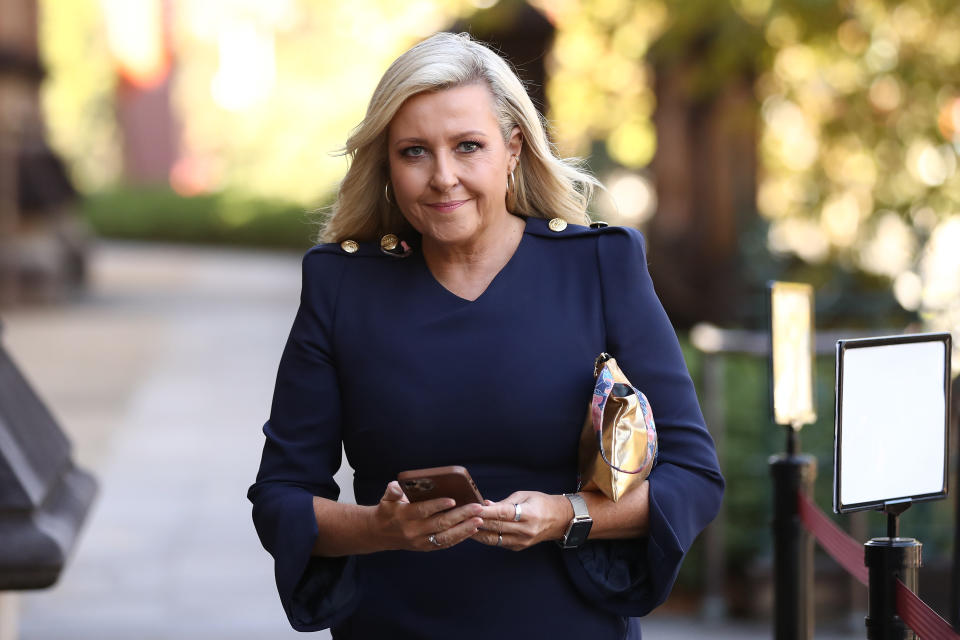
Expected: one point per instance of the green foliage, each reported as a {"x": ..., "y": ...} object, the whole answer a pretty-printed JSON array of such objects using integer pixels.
[
  {"x": 223, "y": 218},
  {"x": 749, "y": 440}
]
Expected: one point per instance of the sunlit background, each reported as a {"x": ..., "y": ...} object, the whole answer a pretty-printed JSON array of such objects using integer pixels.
[
  {"x": 851, "y": 155},
  {"x": 750, "y": 140}
]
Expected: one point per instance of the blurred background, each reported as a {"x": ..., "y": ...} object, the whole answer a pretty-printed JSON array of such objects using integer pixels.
[{"x": 164, "y": 163}]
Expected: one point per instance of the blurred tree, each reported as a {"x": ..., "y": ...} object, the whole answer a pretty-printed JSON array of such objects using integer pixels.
[
  {"x": 705, "y": 164},
  {"x": 861, "y": 132},
  {"x": 522, "y": 35},
  {"x": 670, "y": 85},
  {"x": 842, "y": 117}
]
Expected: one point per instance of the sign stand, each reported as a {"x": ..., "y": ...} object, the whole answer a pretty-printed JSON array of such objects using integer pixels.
[
  {"x": 889, "y": 559},
  {"x": 883, "y": 385}
]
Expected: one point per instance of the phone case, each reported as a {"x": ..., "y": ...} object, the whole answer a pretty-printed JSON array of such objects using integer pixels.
[{"x": 439, "y": 482}]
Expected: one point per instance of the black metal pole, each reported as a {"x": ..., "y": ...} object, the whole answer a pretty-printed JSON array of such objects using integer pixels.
[
  {"x": 792, "y": 544},
  {"x": 888, "y": 559},
  {"x": 955, "y": 577}
]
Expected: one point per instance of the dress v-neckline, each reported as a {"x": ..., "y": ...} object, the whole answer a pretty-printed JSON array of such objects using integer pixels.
[{"x": 496, "y": 278}]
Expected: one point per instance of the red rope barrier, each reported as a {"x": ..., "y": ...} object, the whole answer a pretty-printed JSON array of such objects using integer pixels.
[
  {"x": 920, "y": 617},
  {"x": 848, "y": 553},
  {"x": 835, "y": 541}
]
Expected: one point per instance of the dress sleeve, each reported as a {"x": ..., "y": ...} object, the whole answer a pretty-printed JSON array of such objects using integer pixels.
[
  {"x": 632, "y": 577},
  {"x": 300, "y": 456}
]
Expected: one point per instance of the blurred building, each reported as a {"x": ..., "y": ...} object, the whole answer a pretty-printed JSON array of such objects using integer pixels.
[
  {"x": 139, "y": 38},
  {"x": 42, "y": 240}
]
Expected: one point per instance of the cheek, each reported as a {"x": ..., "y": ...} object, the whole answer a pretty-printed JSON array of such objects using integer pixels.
[
  {"x": 494, "y": 185},
  {"x": 486, "y": 178},
  {"x": 405, "y": 189},
  {"x": 405, "y": 182}
]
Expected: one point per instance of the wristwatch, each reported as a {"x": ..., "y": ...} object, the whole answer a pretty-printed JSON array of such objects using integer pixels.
[{"x": 579, "y": 527}]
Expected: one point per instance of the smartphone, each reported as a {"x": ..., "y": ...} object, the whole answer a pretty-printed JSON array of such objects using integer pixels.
[{"x": 439, "y": 482}]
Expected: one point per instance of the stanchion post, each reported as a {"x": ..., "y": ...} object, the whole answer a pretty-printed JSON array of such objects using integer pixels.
[
  {"x": 888, "y": 559},
  {"x": 955, "y": 577},
  {"x": 792, "y": 544},
  {"x": 793, "y": 405}
]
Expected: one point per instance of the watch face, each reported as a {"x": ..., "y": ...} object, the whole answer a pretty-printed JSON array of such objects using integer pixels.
[{"x": 577, "y": 534}]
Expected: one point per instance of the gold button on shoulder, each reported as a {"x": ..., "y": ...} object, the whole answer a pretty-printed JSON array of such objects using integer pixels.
[
  {"x": 389, "y": 242},
  {"x": 599, "y": 224},
  {"x": 557, "y": 224},
  {"x": 350, "y": 246}
]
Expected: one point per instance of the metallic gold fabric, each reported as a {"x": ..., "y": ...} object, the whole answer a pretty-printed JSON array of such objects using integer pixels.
[{"x": 622, "y": 417}]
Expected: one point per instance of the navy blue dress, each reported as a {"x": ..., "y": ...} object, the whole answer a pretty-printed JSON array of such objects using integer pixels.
[{"x": 405, "y": 374}]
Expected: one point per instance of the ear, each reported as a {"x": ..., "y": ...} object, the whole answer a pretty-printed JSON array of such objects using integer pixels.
[{"x": 514, "y": 145}]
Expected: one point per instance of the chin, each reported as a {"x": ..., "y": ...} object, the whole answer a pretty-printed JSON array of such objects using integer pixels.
[
  {"x": 449, "y": 236},
  {"x": 450, "y": 230}
]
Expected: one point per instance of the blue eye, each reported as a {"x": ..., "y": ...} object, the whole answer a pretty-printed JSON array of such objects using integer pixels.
[
  {"x": 469, "y": 146},
  {"x": 413, "y": 152}
]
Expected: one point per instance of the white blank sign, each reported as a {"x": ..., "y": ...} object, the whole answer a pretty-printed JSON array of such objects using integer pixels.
[{"x": 892, "y": 406}]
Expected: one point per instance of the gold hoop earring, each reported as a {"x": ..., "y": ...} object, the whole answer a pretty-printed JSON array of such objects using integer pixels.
[
  {"x": 386, "y": 193},
  {"x": 511, "y": 182}
]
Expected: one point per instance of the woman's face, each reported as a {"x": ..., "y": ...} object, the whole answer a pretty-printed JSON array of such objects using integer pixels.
[{"x": 449, "y": 164}]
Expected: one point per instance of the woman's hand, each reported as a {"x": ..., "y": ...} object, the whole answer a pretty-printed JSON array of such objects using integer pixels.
[
  {"x": 422, "y": 526},
  {"x": 542, "y": 517}
]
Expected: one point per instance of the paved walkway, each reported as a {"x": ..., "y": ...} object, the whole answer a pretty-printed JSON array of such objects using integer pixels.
[{"x": 162, "y": 375}]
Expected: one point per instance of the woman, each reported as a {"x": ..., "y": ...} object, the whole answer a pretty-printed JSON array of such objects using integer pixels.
[{"x": 453, "y": 318}]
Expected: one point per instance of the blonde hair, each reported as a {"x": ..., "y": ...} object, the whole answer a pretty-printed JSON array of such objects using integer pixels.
[{"x": 546, "y": 186}]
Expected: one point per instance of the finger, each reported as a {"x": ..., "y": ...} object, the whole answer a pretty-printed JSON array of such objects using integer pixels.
[
  {"x": 462, "y": 531},
  {"x": 492, "y": 538},
  {"x": 393, "y": 492},
  {"x": 505, "y": 528},
  {"x": 453, "y": 517},
  {"x": 429, "y": 508},
  {"x": 454, "y": 535},
  {"x": 517, "y": 496},
  {"x": 498, "y": 511},
  {"x": 492, "y": 524}
]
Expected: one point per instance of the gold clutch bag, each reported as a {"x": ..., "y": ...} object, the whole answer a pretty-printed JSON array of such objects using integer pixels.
[{"x": 618, "y": 444}]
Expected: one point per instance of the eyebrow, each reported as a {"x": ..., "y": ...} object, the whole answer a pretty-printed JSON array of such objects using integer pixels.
[{"x": 463, "y": 134}]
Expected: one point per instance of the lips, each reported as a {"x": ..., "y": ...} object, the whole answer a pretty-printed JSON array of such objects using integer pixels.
[{"x": 446, "y": 206}]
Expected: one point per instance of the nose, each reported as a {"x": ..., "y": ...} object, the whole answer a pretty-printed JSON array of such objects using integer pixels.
[{"x": 444, "y": 175}]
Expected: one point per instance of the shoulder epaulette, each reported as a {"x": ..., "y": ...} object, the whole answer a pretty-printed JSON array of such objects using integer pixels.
[
  {"x": 560, "y": 228},
  {"x": 389, "y": 246}
]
